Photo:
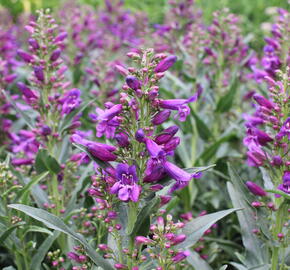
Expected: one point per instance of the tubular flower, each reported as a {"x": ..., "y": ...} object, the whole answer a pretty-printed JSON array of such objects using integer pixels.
[{"x": 126, "y": 187}]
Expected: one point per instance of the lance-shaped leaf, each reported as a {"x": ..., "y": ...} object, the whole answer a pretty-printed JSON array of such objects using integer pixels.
[
  {"x": 256, "y": 252},
  {"x": 54, "y": 222},
  {"x": 197, "y": 262},
  {"x": 45, "y": 162},
  {"x": 195, "y": 229}
]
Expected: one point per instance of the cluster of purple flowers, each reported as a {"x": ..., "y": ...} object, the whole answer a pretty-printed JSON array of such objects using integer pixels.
[
  {"x": 141, "y": 154},
  {"x": 276, "y": 51},
  {"x": 48, "y": 91},
  {"x": 268, "y": 132}
]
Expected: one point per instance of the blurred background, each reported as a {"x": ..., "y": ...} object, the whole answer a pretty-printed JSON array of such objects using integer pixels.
[{"x": 254, "y": 10}]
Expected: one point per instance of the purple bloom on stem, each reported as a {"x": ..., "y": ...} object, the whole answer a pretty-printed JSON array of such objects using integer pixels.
[
  {"x": 161, "y": 117},
  {"x": 70, "y": 101},
  {"x": 180, "y": 256},
  {"x": 166, "y": 135},
  {"x": 25, "y": 56},
  {"x": 122, "y": 139},
  {"x": 181, "y": 176},
  {"x": 108, "y": 121},
  {"x": 140, "y": 135},
  {"x": 38, "y": 72},
  {"x": 262, "y": 101},
  {"x": 155, "y": 151},
  {"x": 126, "y": 187},
  {"x": 285, "y": 130},
  {"x": 165, "y": 64},
  {"x": 55, "y": 54},
  {"x": 285, "y": 186},
  {"x": 256, "y": 189},
  {"x": 133, "y": 82},
  {"x": 33, "y": 43},
  {"x": 102, "y": 151},
  {"x": 262, "y": 137}
]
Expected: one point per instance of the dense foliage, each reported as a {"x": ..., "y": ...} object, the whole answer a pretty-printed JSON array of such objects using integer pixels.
[{"x": 137, "y": 142}]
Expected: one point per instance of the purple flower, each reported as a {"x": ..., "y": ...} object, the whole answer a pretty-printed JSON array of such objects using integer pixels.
[
  {"x": 108, "y": 120},
  {"x": 38, "y": 72},
  {"x": 60, "y": 37},
  {"x": 161, "y": 117},
  {"x": 178, "y": 105},
  {"x": 33, "y": 43},
  {"x": 166, "y": 135},
  {"x": 122, "y": 139},
  {"x": 70, "y": 101},
  {"x": 180, "y": 256},
  {"x": 140, "y": 135},
  {"x": 25, "y": 56},
  {"x": 262, "y": 137},
  {"x": 285, "y": 130},
  {"x": 126, "y": 187},
  {"x": 165, "y": 64},
  {"x": 102, "y": 151},
  {"x": 182, "y": 177},
  {"x": 256, "y": 189},
  {"x": 155, "y": 151},
  {"x": 262, "y": 101},
  {"x": 285, "y": 186},
  {"x": 55, "y": 54},
  {"x": 133, "y": 82}
]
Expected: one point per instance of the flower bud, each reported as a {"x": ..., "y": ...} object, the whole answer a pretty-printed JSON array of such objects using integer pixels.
[
  {"x": 25, "y": 56},
  {"x": 55, "y": 54},
  {"x": 180, "y": 256},
  {"x": 178, "y": 239},
  {"x": 140, "y": 135},
  {"x": 161, "y": 117},
  {"x": 165, "y": 64},
  {"x": 139, "y": 240},
  {"x": 122, "y": 139},
  {"x": 255, "y": 189},
  {"x": 133, "y": 82},
  {"x": 38, "y": 72}
]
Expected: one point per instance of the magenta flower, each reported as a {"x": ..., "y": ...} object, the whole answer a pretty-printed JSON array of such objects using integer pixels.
[
  {"x": 133, "y": 82},
  {"x": 182, "y": 177},
  {"x": 179, "y": 105},
  {"x": 70, "y": 101},
  {"x": 165, "y": 64},
  {"x": 180, "y": 256},
  {"x": 39, "y": 74},
  {"x": 262, "y": 101},
  {"x": 25, "y": 56},
  {"x": 285, "y": 130},
  {"x": 285, "y": 186},
  {"x": 126, "y": 187},
  {"x": 161, "y": 117},
  {"x": 256, "y": 189},
  {"x": 108, "y": 121}
]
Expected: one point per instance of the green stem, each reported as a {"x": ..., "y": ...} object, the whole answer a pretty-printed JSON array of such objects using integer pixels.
[{"x": 278, "y": 228}]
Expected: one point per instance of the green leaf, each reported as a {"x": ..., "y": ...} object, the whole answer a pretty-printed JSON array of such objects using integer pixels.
[
  {"x": 7, "y": 232},
  {"x": 35, "y": 180},
  {"x": 144, "y": 214},
  {"x": 280, "y": 192},
  {"x": 197, "y": 262},
  {"x": 45, "y": 162},
  {"x": 210, "y": 151},
  {"x": 224, "y": 267},
  {"x": 226, "y": 102},
  {"x": 80, "y": 186},
  {"x": 23, "y": 114},
  {"x": 256, "y": 251},
  {"x": 54, "y": 222},
  {"x": 33, "y": 228},
  {"x": 195, "y": 229},
  {"x": 102, "y": 164},
  {"x": 202, "y": 128},
  {"x": 42, "y": 251}
]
